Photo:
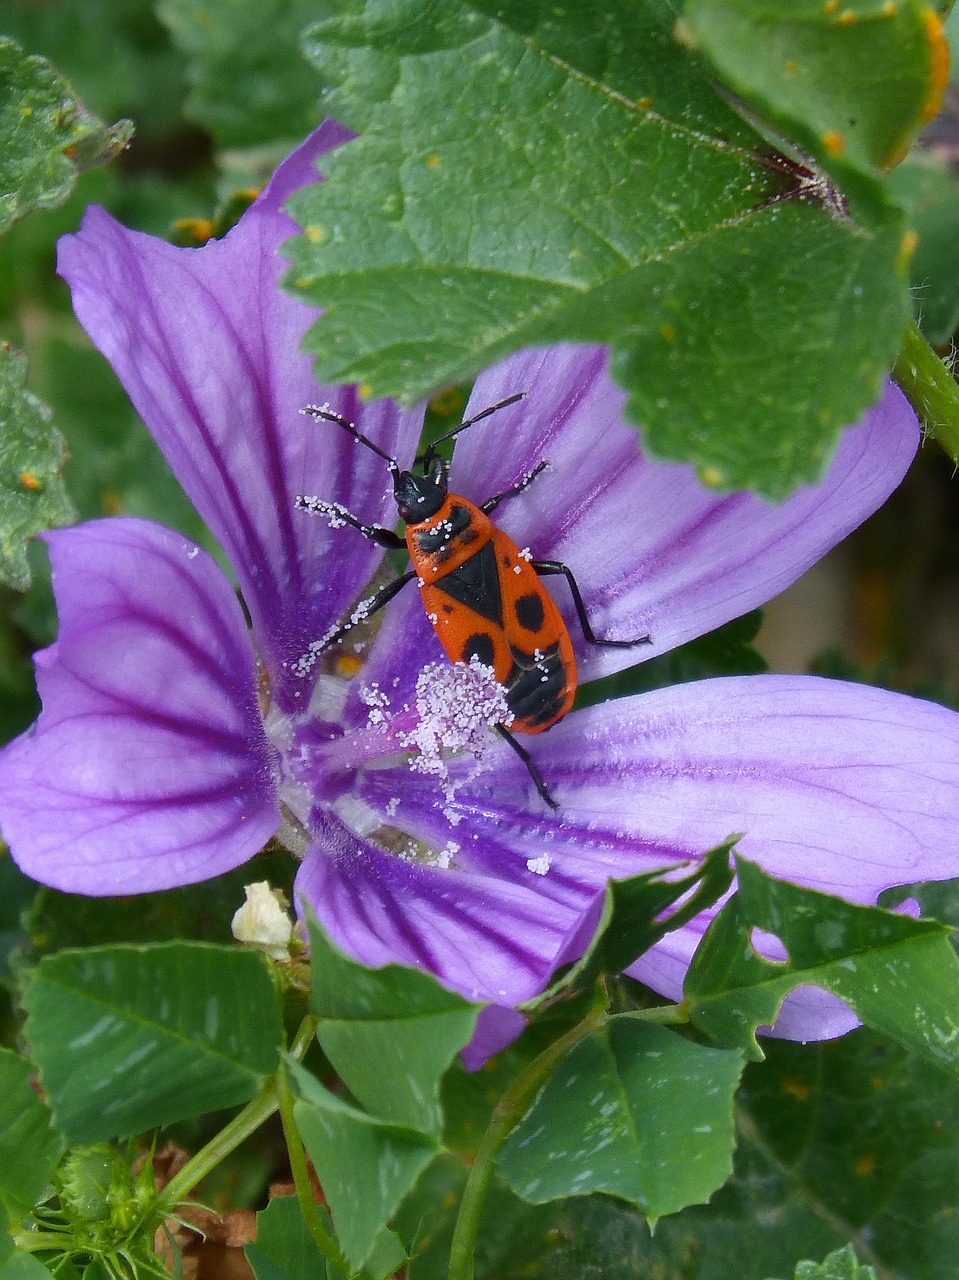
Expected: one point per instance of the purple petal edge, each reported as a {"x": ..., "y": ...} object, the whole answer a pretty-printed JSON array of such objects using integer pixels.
[{"x": 148, "y": 767}]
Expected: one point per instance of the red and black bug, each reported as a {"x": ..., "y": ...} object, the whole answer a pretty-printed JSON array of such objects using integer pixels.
[{"x": 482, "y": 594}]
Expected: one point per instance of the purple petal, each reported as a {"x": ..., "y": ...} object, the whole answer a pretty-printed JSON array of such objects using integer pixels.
[
  {"x": 148, "y": 766},
  {"x": 844, "y": 788},
  {"x": 208, "y": 347},
  {"x": 496, "y": 1028},
  {"x": 654, "y": 551},
  {"x": 481, "y": 936}
]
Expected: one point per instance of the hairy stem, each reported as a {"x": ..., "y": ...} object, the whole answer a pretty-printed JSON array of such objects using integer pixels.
[{"x": 931, "y": 389}]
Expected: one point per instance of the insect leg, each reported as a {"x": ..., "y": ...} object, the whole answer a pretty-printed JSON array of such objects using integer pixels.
[
  {"x": 338, "y": 515},
  {"x": 492, "y": 503},
  {"x": 364, "y": 609},
  {"x": 527, "y": 759},
  {"x": 546, "y": 568}
]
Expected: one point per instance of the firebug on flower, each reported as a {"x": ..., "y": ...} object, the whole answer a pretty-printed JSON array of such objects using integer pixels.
[{"x": 482, "y": 594}]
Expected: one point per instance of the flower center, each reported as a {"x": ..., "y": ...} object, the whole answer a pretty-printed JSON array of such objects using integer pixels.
[{"x": 449, "y": 718}]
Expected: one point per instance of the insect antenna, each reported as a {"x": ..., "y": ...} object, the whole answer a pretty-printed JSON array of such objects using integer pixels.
[
  {"x": 430, "y": 453},
  {"x": 329, "y": 415}
]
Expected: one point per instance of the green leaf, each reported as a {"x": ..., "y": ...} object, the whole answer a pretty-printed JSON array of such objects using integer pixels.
[
  {"x": 847, "y": 1141},
  {"x": 285, "y": 1250},
  {"x": 930, "y": 187},
  {"x": 634, "y": 1110},
  {"x": 853, "y": 82},
  {"x": 841, "y": 1265},
  {"x": 30, "y": 1146},
  {"x": 127, "y": 1038},
  {"x": 250, "y": 81},
  {"x": 24, "y": 1266},
  {"x": 365, "y": 1166},
  {"x": 523, "y": 178},
  {"x": 390, "y": 1033},
  {"x": 46, "y": 136},
  {"x": 900, "y": 975},
  {"x": 634, "y": 916},
  {"x": 32, "y": 496},
  {"x": 641, "y": 913}
]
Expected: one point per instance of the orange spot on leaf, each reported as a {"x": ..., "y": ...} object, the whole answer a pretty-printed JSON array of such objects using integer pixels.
[{"x": 938, "y": 63}]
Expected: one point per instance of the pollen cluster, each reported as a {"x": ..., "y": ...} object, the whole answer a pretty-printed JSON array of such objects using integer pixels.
[{"x": 456, "y": 704}]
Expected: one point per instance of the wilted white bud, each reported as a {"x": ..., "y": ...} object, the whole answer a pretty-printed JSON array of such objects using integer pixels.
[{"x": 262, "y": 921}]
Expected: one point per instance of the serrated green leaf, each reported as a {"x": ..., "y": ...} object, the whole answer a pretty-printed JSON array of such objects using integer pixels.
[
  {"x": 636, "y": 914},
  {"x": 390, "y": 1033},
  {"x": 32, "y": 496},
  {"x": 852, "y": 82},
  {"x": 634, "y": 1110},
  {"x": 900, "y": 975},
  {"x": 523, "y": 178},
  {"x": 127, "y": 1038},
  {"x": 46, "y": 135},
  {"x": 30, "y": 1146},
  {"x": 365, "y": 1166},
  {"x": 930, "y": 187},
  {"x": 250, "y": 81}
]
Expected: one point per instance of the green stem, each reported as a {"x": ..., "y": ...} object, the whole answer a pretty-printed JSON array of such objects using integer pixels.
[
  {"x": 667, "y": 1015},
  {"x": 509, "y": 1111},
  {"x": 930, "y": 388},
  {"x": 253, "y": 1115},
  {"x": 41, "y": 1241},
  {"x": 301, "y": 1180}
]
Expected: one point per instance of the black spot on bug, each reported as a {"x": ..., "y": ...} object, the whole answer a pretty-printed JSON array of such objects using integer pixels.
[
  {"x": 448, "y": 608},
  {"x": 441, "y": 535},
  {"x": 475, "y": 583},
  {"x": 536, "y": 688},
  {"x": 530, "y": 613},
  {"x": 479, "y": 646}
]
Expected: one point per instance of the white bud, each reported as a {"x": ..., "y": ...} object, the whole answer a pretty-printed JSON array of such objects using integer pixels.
[{"x": 262, "y": 921}]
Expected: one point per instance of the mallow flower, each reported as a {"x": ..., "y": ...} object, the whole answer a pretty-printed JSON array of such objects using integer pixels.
[{"x": 181, "y": 731}]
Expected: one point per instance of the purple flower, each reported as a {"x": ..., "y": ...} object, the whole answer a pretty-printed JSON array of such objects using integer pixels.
[{"x": 176, "y": 738}]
